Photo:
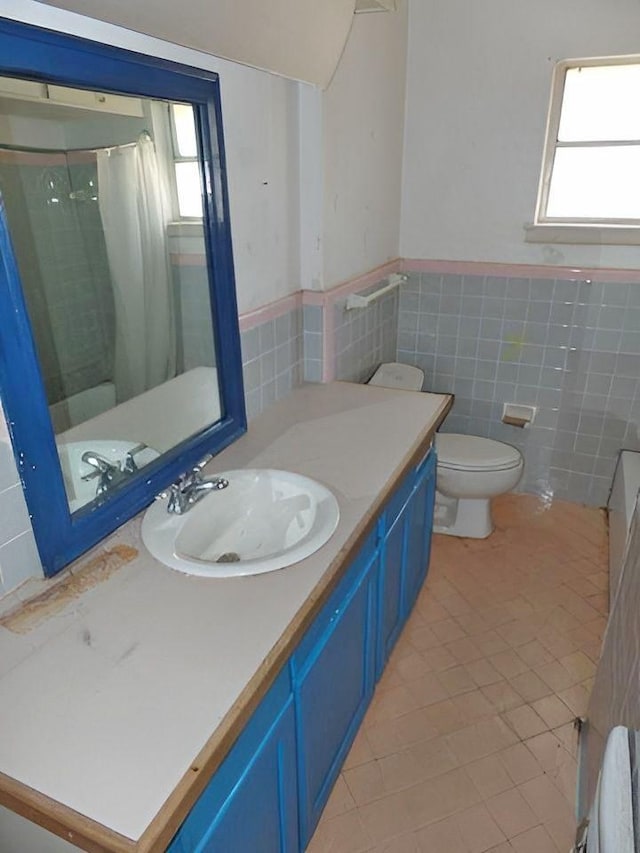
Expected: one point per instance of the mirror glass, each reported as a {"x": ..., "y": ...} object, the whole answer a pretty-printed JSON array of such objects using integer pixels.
[{"x": 120, "y": 309}]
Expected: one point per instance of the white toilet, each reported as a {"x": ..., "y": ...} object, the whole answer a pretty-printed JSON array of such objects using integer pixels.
[{"x": 471, "y": 470}]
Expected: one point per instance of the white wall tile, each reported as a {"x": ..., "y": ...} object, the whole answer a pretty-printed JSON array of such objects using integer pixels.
[{"x": 19, "y": 560}]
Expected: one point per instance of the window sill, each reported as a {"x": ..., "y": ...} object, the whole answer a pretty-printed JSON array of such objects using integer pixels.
[
  {"x": 611, "y": 235},
  {"x": 186, "y": 237},
  {"x": 186, "y": 228}
]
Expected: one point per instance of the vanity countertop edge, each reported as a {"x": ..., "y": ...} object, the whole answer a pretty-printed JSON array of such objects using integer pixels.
[{"x": 390, "y": 429}]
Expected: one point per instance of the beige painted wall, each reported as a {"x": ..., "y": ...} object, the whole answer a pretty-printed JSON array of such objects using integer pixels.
[
  {"x": 479, "y": 78},
  {"x": 364, "y": 110}
]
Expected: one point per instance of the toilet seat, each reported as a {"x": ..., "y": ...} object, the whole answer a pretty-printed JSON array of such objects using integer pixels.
[{"x": 473, "y": 453}]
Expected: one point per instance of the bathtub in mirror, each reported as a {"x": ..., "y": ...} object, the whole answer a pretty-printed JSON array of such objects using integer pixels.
[{"x": 122, "y": 339}]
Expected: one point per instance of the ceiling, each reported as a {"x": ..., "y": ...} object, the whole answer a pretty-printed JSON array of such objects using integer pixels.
[{"x": 300, "y": 39}]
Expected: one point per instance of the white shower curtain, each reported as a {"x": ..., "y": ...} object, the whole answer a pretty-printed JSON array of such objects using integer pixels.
[{"x": 134, "y": 208}]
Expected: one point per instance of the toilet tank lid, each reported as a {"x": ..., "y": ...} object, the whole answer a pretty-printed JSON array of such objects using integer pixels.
[
  {"x": 473, "y": 453},
  {"x": 405, "y": 377}
]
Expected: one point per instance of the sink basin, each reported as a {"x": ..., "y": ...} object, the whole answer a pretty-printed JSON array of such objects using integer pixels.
[
  {"x": 80, "y": 491},
  {"x": 264, "y": 520}
]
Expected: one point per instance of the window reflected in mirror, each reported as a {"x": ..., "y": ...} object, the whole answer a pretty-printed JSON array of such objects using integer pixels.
[
  {"x": 185, "y": 158},
  {"x": 120, "y": 310}
]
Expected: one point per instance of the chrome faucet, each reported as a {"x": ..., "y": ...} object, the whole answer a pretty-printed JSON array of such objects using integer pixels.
[
  {"x": 129, "y": 464},
  {"x": 191, "y": 488},
  {"x": 109, "y": 474}
]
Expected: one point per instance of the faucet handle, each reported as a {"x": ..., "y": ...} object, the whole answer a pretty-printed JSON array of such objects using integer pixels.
[
  {"x": 175, "y": 503},
  {"x": 129, "y": 465},
  {"x": 197, "y": 468},
  {"x": 217, "y": 483}
]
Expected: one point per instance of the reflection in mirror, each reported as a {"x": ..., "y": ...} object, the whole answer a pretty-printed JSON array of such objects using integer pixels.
[{"x": 123, "y": 328}]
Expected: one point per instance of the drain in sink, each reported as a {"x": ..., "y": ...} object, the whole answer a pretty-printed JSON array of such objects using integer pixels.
[{"x": 229, "y": 557}]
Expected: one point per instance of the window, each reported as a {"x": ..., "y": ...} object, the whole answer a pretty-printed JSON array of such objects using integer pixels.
[
  {"x": 591, "y": 169},
  {"x": 188, "y": 185}
]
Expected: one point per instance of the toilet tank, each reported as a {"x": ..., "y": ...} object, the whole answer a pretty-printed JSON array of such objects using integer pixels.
[{"x": 404, "y": 377}]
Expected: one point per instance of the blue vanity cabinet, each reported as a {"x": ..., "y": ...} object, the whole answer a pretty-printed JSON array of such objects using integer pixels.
[
  {"x": 250, "y": 804},
  {"x": 270, "y": 791},
  {"x": 420, "y": 525},
  {"x": 333, "y": 672},
  {"x": 406, "y": 526},
  {"x": 394, "y": 528}
]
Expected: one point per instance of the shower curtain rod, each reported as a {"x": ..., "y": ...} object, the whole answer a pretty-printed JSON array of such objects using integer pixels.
[{"x": 7, "y": 147}]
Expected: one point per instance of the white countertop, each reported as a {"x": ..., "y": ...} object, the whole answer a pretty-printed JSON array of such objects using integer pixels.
[{"x": 105, "y": 704}]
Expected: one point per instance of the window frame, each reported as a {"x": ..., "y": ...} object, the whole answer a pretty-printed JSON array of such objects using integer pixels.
[
  {"x": 176, "y": 157},
  {"x": 575, "y": 229}
]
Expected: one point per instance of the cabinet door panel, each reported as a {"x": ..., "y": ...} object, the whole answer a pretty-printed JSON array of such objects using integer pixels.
[
  {"x": 260, "y": 813},
  {"x": 419, "y": 536},
  {"x": 251, "y": 802},
  {"x": 404, "y": 553},
  {"x": 334, "y": 606},
  {"x": 393, "y": 560},
  {"x": 332, "y": 694}
]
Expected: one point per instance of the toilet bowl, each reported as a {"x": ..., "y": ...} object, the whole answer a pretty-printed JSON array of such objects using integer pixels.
[{"x": 471, "y": 470}]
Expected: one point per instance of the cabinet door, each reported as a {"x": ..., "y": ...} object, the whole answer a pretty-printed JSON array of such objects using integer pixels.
[
  {"x": 332, "y": 691},
  {"x": 393, "y": 562},
  {"x": 420, "y": 525},
  {"x": 393, "y": 557},
  {"x": 251, "y": 802},
  {"x": 407, "y": 524}
]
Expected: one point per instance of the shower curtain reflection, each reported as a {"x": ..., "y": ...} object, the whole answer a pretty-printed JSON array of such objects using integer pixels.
[
  {"x": 89, "y": 229},
  {"x": 62, "y": 258},
  {"x": 133, "y": 199}
]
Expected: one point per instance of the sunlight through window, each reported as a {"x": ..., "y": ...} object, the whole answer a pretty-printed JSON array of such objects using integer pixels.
[
  {"x": 591, "y": 171},
  {"x": 187, "y": 167}
]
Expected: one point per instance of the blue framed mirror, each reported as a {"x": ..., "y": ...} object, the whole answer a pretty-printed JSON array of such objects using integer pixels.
[{"x": 120, "y": 364}]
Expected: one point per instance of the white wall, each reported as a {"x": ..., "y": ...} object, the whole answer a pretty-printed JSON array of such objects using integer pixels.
[
  {"x": 352, "y": 135},
  {"x": 260, "y": 113},
  {"x": 260, "y": 124},
  {"x": 479, "y": 77},
  {"x": 94, "y": 131},
  {"x": 22, "y": 130},
  {"x": 363, "y": 113},
  {"x": 356, "y": 209}
]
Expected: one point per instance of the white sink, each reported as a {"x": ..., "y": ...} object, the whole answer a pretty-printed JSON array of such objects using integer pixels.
[
  {"x": 264, "y": 520},
  {"x": 81, "y": 491}
]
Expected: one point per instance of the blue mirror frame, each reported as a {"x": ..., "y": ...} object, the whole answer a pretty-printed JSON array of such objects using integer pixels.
[{"x": 45, "y": 56}]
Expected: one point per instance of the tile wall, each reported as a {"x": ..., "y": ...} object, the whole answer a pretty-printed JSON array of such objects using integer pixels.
[
  {"x": 365, "y": 337},
  {"x": 571, "y": 348},
  {"x": 59, "y": 242},
  {"x": 272, "y": 360},
  {"x": 19, "y": 558},
  {"x": 194, "y": 340},
  {"x": 313, "y": 342}
]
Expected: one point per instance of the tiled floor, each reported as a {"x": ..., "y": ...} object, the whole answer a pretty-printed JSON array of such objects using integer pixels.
[{"x": 468, "y": 745}]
